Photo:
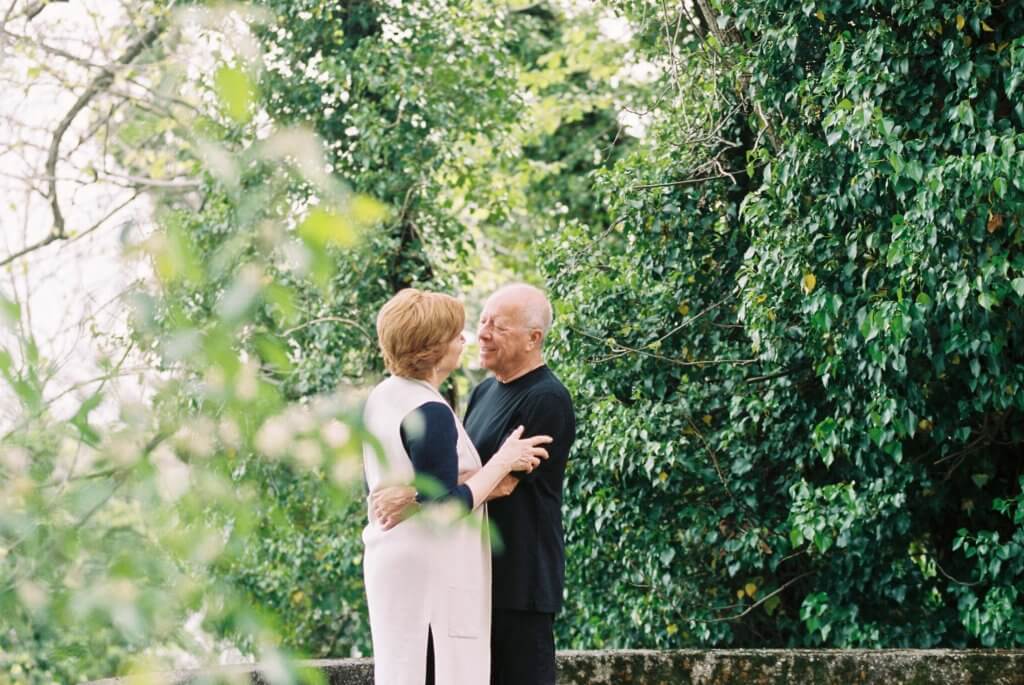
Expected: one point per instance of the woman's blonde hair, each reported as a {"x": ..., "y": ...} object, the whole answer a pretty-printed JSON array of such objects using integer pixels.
[{"x": 414, "y": 328}]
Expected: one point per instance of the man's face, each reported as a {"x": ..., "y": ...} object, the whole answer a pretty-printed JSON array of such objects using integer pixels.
[{"x": 504, "y": 340}]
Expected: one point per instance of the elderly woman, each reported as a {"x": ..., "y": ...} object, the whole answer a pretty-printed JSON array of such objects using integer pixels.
[{"x": 428, "y": 579}]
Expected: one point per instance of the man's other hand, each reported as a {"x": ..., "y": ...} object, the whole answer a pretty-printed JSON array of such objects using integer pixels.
[
  {"x": 504, "y": 487},
  {"x": 393, "y": 504}
]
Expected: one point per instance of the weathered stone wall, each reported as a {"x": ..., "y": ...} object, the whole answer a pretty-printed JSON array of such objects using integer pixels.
[
  {"x": 791, "y": 667},
  {"x": 708, "y": 667}
]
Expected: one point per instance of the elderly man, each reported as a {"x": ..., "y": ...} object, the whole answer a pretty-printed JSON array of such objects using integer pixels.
[{"x": 529, "y": 566}]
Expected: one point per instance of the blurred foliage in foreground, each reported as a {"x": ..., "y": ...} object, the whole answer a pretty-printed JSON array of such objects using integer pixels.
[
  {"x": 112, "y": 536},
  {"x": 336, "y": 153}
]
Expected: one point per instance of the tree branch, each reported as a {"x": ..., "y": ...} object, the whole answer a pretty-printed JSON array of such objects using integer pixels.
[
  {"x": 778, "y": 374},
  {"x": 711, "y": 20},
  {"x": 119, "y": 477},
  {"x": 45, "y": 47},
  {"x": 324, "y": 319},
  {"x": 102, "y": 81},
  {"x": 52, "y": 238},
  {"x": 755, "y": 604},
  {"x": 621, "y": 350},
  {"x": 688, "y": 181},
  {"x": 103, "y": 220},
  {"x": 35, "y": 8},
  {"x": 31, "y": 248}
]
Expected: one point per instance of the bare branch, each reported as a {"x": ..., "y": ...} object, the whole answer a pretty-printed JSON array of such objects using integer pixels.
[
  {"x": 98, "y": 85},
  {"x": 52, "y": 238},
  {"x": 695, "y": 317},
  {"x": 621, "y": 350},
  {"x": 35, "y": 8},
  {"x": 49, "y": 49},
  {"x": 30, "y": 248},
  {"x": 714, "y": 458},
  {"x": 8, "y": 13},
  {"x": 689, "y": 181},
  {"x": 958, "y": 582},
  {"x": 755, "y": 604},
  {"x": 776, "y": 143},
  {"x": 129, "y": 181},
  {"x": 778, "y": 374},
  {"x": 106, "y": 216},
  {"x": 325, "y": 319}
]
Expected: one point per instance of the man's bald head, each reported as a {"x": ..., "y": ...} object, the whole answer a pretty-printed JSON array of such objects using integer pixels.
[
  {"x": 532, "y": 304},
  {"x": 512, "y": 328}
]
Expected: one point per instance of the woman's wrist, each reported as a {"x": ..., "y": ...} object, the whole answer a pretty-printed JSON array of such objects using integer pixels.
[{"x": 506, "y": 465}]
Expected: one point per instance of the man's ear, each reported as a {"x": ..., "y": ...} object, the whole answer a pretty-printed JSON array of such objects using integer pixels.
[{"x": 536, "y": 337}]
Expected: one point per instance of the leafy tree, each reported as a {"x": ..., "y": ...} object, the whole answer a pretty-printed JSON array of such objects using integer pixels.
[{"x": 796, "y": 350}]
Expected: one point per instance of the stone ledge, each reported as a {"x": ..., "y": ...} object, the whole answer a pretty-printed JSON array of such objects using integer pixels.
[{"x": 703, "y": 667}]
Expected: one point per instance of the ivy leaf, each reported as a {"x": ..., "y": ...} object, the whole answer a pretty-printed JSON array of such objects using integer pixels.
[
  {"x": 896, "y": 162},
  {"x": 808, "y": 282},
  {"x": 995, "y": 221},
  {"x": 999, "y": 185}
]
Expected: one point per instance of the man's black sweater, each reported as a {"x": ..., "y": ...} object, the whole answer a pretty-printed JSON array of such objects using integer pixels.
[{"x": 529, "y": 570}]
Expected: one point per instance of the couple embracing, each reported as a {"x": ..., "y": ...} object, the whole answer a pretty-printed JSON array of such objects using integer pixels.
[{"x": 442, "y": 609}]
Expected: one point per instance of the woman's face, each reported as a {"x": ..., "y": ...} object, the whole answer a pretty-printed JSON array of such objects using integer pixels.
[{"x": 452, "y": 355}]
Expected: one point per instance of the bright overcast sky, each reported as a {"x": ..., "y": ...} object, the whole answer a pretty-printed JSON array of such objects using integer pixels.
[{"x": 67, "y": 288}]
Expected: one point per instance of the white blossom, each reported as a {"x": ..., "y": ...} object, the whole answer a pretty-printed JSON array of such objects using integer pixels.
[
  {"x": 307, "y": 453},
  {"x": 229, "y": 433},
  {"x": 274, "y": 437},
  {"x": 345, "y": 470},
  {"x": 15, "y": 459},
  {"x": 247, "y": 383},
  {"x": 335, "y": 433},
  {"x": 173, "y": 478}
]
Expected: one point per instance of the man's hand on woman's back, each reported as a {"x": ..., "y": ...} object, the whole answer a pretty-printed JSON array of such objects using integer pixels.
[{"x": 393, "y": 504}]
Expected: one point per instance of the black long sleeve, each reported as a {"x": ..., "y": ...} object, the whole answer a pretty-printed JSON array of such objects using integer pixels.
[{"x": 431, "y": 438}]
